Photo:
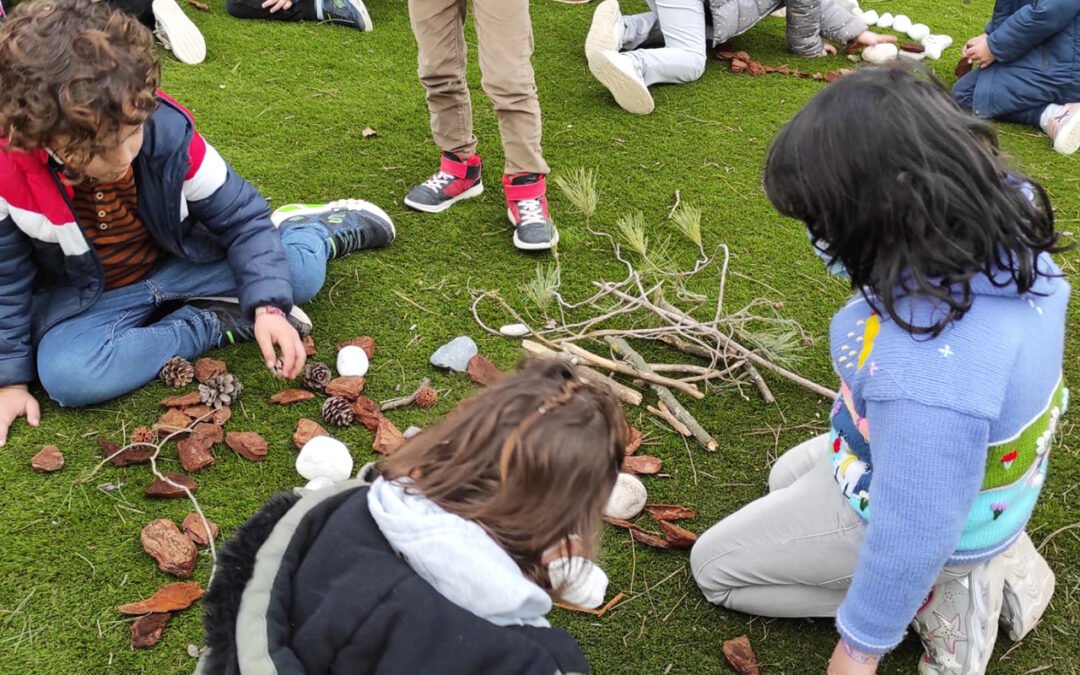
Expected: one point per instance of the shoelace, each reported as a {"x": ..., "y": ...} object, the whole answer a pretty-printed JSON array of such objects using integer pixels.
[
  {"x": 438, "y": 181},
  {"x": 531, "y": 211},
  {"x": 159, "y": 32},
  {"x": 350, "y": 238}
]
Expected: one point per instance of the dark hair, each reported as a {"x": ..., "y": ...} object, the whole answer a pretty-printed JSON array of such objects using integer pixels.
[
  {"x": 910, "y": 194},
  {"x": 76, "y": 70},
  {"x": 532, "y": 460}
]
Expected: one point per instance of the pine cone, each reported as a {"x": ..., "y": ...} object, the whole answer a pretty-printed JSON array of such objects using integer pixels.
[
  {"x": 143, "y": 435},
  {"x": 337, "y": 411},
  {"x": 221, "y": 390},
  {"x": 317, "y": 375},
  {"x": 426, "y": 397},
  {"x": 177, "y": 372}
]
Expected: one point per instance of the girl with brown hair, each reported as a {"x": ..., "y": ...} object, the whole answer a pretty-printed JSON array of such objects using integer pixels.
[{"x": 447, "y": 561}]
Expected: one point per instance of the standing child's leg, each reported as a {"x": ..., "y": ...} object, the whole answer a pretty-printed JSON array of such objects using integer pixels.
[{"x": 505, "y": 40}]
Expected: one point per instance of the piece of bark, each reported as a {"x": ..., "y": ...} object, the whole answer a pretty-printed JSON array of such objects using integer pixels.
[
  {"x": 247, "y": 444},
  {"x": 183, "y": 401},
  {"x": 387, "y": 438},
  {"x": 482, "y": 371},
  {"x": 196, "y": 531},
  {"x": 147, "y": 630},
  {"x": 199, "y": 412},
  {"x": 201, "y": 6},
  {"x": 209, "y": 433},
  {"x": 171, "y": 422},
  {"x": 169, "y": 598},
  {"x": 678, "y": 537},
  {"x": 206, "y": 369},
  {"x": 741, "y": 657},
  {"x": 669, "y": 511},
  {"x": 291, "y": 396},
  {"x": 619, "y": 522},
  {"x": 963, "y": 67},
  {"x": 309, "y": 346},
  {"x": 194, "y": 453},
  {"x": 642, "y": 464},
  {"x": 367, "y": 412},
  {"x": 649, "y": 539},
  {"x": 222, "y": 415},
  {"x": 48, "y": 460},
  {"x": 173, "y": 551},
  {"x": 363, "y": 342},
  {"x": 305, "y": 431},
  {"x": 633, "y": 441},
  {"x": 346, "y": 387},
  {"x": 125, "y": 458},
  {"x": 912, "y": 47},
  {"x": 159, "y": 489}
]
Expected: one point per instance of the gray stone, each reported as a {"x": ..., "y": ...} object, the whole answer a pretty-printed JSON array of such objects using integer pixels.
[{"x": 455, "y": 354}]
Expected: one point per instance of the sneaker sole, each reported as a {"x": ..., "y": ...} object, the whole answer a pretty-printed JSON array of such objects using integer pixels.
[
  {"x": 630, "y": 94},
  {"x": 364, "y": 16},
  {"x": 1029, "y": 585},
  {"x": 1068, "y": 138},
  {"x": 528, "y": 246},
  {"x": 601, "y": 33},
  {"x": 296, "y": 313},
  {"x": 474, "y": 191},
  {"x": 278, "y": 216},
  {"x": 185, "y": 40}
]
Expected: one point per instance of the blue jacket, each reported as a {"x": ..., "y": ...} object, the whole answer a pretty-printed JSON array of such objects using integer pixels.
[
  {"x": 1037, "y": 47},
  {"x": 191, "y": 201}
]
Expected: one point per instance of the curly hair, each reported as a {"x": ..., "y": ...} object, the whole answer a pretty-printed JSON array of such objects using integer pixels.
[
  {"x": 73, "y": 73},
  {"x": 910, "y": 194}
]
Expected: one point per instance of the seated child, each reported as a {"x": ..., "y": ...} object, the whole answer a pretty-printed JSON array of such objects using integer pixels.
[
  {"x": 620, "y": 57},
  {"x": 350, "y": 13},
  {"x": 447, "y": 561},
  {"x": 913, "y": 507},
  {"x": 114, "y": 211},
  {"x": 1029, "y": 69}
]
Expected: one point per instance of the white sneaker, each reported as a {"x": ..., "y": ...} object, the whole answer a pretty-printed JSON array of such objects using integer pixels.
[
  {"x": 1029, "y": 585},
  {"x": 1064, "y": 129},
  {"x": 958, "y": 624},
  {"x": 607, "y": 29},
  {"x": 177, "y": 33},
  {"x": 619, "y": 73}
]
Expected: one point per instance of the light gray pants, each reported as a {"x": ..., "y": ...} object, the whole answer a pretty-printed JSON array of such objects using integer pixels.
[
  {"x": 680, "y": 25},
  {"x": 791, "y": 553}
]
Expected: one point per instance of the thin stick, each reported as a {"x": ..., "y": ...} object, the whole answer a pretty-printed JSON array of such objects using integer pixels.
[
  {"x": 759, "y": 381},
  {"x": 405, "y": 400},
  {"x": 631, "y": 371},
  {"x": 410, "y": 300},
  {"x": 674, "y": 206},
  {"x": 624, "y": 393},
  {"x": 663, "y": 413},
  {"x": 1056, "y": 533}
]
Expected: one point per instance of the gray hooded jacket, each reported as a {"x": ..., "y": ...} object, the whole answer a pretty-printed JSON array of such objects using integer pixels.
[{"x": 808, "y": 21}]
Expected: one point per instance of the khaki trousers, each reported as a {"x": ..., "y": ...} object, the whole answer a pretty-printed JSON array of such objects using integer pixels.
[{"x": 505, "y": 42}]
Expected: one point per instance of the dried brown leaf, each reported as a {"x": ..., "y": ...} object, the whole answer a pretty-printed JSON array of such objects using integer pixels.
[
  {"x": 678, "y": 537},
  {"x": 169, "y": 598},
  {"x": 201, "y": 6},
  {"x": 291, "y": 396},
  {"x": 633, "y": 441},
  {"x": 642, "y": 464},
  {"x": 648, "y": 539}
]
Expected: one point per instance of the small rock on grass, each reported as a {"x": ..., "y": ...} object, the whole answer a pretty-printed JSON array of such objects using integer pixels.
[
  {"x": 352, "y": 361},
  {"x": 196, "y": 532},
  {"x": 174, "y": 552},
  {"x": 627, "y": 498},
  {"x": 159, "y": 489},
  {"x": 455, "y": 355},
  {"x": 324, "y": 456},
  {"x": 514, "y": 330},
  {"x": 48, "y": 460},
  {"x": 147, "y": 630}
]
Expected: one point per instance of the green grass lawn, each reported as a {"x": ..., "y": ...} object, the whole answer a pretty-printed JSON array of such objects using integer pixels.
[{"x": 286, "y": 104}]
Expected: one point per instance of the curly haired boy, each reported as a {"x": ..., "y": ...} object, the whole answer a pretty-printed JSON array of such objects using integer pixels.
[{"x": 125, "y": 238}]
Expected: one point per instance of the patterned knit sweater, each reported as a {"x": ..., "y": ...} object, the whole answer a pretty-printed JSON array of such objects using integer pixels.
[{"x": 941, "y": 444}]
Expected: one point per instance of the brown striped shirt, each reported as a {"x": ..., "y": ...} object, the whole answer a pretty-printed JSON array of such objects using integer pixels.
[{"x": 109, "y": 216}]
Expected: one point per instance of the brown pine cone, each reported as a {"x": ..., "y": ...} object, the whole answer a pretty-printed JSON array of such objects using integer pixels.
[
  {"x": 426, "y": 397},
  {"x": 177, "y": 372},
  {"x": 221, "y": 390},
  {"x": 337, "y": 411},
  {"x": 143, "y": 435},
  {"x": 317, "y": 375}
]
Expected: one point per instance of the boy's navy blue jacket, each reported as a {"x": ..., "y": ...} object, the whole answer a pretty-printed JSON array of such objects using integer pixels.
[
  {"x": 1037, "y": 47},
  {"x": 191, "y": 201}
]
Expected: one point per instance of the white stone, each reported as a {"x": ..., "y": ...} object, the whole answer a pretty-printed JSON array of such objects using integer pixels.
[
  {"x": 411, "y": 431},
  {"x": 325, "y": 457},
  {"x": 912, "y": 56},
  {"x": 880, "y": 53},
  {"x": 933, "y": 51},
  {"x": 870, "y": 17},
  {"x": 849, "y": 5},
  {"x": 936, "y": 44},
  {"x": 918, "y": 31},
  {"x": 885, "y": 20},
  {"x": 352, "y": 361},
  {"x": 901, "y": 23},
  {"x": 318, "y": 483},
  {"x": 515, "y": 330},
  {"x": 627, "y": 499}
]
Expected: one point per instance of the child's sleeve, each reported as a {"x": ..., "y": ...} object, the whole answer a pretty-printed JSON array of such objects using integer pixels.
[
  {"x": 16, "y": 280},
  {"x": 235, "y": 212},
  {"x": 928, "y": 468},
  {"x": 809, "y": 20},
  {"x": 1029, "y": 27}
]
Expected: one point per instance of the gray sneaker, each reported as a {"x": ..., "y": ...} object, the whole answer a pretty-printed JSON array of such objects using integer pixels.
[
  {"x": 958, "y": 623},
  {"x": 1029, "y": 585}
]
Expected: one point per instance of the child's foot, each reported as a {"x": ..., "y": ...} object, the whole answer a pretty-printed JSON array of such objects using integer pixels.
[
  {"x": 353, "y": 224},
  {"x": 526, "y": 202},
  {"x": 1029, "y": 585},
  {"x": 607, "y": 29},
  {"x": 455, "y": 180},
  {"x": 959, "y": 622},
  {"x": 1062, "y": 124},
  {"x": 236, "y": 326},
  {"x": 177, "y": 33},
  {"x": 620, "y": 74},
  {"x": 347, "y": 13}
]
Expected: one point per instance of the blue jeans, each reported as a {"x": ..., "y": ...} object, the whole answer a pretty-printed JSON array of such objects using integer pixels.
[
  {"x": 964, "y": 94},
  {"x": 109, "y": 350}
]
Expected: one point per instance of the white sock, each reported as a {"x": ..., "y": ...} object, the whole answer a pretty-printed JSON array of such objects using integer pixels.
[
  {"x": 319, "y": 10},
  {"x": 1050, "y": 111}
]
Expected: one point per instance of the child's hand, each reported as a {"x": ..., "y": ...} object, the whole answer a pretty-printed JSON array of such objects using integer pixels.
[
  {"x": 275, "y": 5},
  {"x": 16, "y": 401},
  {"x": 869, "y": 38},
  {"x": 977, "y": 51},
  {"x": 272, "y": 328},
  {"x": 828, "y": 50},
  {"x": 843, "y": 663}
]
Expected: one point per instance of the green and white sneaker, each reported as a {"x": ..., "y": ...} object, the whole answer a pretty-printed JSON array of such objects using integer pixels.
[
  {"x": 345, "y": 13},
  {"x": 958, "y": 623},
  {"x": 353, "y": 224}
]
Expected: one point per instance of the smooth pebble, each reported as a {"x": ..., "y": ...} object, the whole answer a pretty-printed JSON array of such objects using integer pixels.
[
  {"x": 870, "y": 17},
  {"x": 901, "y": 23},
  {"x": 455, "y": 354},
  {"x": 411, "y": 431},
  {"x": 352, "y": 361},
  {"x": 325, "y": 457},
  {"x": 880, "y": 53},
  {"x": 627, "y": 499},
  {"x": 515, "y": 330},
  {"x": 885, "y": 20},
  {"x": 918, "y": 31},
  {"x": 318, "y": 483}
]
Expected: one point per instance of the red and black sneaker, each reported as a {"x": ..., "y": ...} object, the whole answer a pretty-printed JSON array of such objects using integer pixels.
[
  {"x": 455, "y": 180},
  {"x": 526, "y": 203}
]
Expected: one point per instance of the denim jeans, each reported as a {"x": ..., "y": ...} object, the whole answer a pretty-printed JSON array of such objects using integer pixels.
[{"x": 109, "y": 349}]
